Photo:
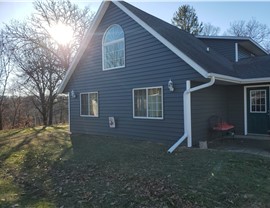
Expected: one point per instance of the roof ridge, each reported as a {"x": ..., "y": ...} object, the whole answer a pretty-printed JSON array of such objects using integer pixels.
[{"x": 185, "y": 42}]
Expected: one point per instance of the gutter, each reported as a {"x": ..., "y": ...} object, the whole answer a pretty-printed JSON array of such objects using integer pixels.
[
  {"x": 231, "y": 79},
  {"x": 187, "y": 113}
]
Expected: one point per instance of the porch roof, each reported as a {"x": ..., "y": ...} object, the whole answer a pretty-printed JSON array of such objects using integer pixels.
[{"x": 255, "y": 67}]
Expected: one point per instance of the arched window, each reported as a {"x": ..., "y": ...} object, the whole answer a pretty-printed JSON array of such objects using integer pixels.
[{"x": 113, "y": 48}]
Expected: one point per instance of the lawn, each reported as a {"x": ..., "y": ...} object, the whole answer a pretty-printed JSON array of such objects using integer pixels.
[{"x": 41, "y": 167}]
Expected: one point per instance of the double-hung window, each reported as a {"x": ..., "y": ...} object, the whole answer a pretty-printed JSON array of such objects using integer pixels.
[
  {"x": 148, "y": 103},
  {"x": 89, "y": 104},
  {"x": 113, "y": 48}
]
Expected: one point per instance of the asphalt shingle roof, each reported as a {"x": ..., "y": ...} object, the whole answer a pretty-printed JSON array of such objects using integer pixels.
[
  {"x": 255, "y": 67},
  {"x": 195, "y": 49}
]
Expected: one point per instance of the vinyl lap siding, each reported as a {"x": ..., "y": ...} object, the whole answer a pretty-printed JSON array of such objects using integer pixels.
[
  {"x": 221, "y": 100},
  {"x": 224, "y": 47},
  {"x": 148, "y": 64},
  {"x": 236, "y": 107},
  {"x": 205, "y": 103}
]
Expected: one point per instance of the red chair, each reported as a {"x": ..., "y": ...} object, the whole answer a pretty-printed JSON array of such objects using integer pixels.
[{"x": 216, "y": 124}]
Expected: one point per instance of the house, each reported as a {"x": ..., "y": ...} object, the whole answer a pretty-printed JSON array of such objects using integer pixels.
[{"x": 138, "y": 76}]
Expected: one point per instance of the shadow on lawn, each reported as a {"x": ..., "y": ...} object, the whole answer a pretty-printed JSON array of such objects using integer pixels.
[
  {"x": 30, "y": 162},
  {"x": 25, "y": 141},
  {"x": 115, "y": 172}
]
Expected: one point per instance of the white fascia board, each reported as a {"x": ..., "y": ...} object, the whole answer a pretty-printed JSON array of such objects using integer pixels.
[
  {"x": 175, "y": 50},
  {"x": 238, "y": 80},
  {"x": 224, "y": 37},
  {"x": 259, "y": 46},
  {"x": 89, "y": 34}
]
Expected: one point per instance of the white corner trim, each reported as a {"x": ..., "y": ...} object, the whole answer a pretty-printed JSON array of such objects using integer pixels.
[
  {"x": 87, "y": 38},
  {"x": 236, "y": 52},
  {"x": 175, "y": 50},
  {"x": 245, "y": 110}
]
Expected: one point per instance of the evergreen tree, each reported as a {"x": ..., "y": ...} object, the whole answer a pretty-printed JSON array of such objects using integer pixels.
[{"x": 186, "y": 19}]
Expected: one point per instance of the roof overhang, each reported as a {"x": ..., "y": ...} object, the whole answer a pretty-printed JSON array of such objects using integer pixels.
[
  {"x": 90, "y": 32},
  {"x": 236, "y": 80},
  {"x": 87, "y": 38},
  {"x": 96, "y": 21}
]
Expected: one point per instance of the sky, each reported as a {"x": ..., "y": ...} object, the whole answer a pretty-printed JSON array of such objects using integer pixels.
[{"x": 218, "y": 13}]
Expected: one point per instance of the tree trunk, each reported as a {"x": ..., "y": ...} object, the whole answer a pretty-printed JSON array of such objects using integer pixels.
[
  {"x": 50, "y": 123},
  {"x": 50, "y": 110},
  {"x": 44, "y": 114},
  {"x": 1, "y": 119},
  {"x": 44, "y": 119}
]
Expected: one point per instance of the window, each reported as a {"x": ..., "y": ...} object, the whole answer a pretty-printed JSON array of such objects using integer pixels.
[
  {"x": 258, "y": 101},
  {"x": 89, "y": 104},
  {"x": 113, "y": 48},
  {"x": 148, "y": 103}
]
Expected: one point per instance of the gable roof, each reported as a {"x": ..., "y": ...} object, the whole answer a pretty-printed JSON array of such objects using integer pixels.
[
  {"x": 180, "y": 41},
  {"x": 194, "y": 52},
  {"x": 87, "y": 38}
]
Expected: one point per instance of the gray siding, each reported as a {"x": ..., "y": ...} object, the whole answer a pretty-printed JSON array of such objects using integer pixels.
[
  {"x": 205, "y": 103},
  {"x": 221, "y": 100},
  {"x": 224, "y": 47},
  {"x": 148, "y": 64},
  {"x": 227, "y": 48},
  {"x": 235, "y": 95}
]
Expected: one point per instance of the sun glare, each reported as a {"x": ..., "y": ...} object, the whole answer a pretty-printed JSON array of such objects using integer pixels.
[{"x": 61, "y": 33}]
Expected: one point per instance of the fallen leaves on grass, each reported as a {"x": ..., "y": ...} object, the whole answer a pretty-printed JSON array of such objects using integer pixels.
[{"x": 114, "y": 188}]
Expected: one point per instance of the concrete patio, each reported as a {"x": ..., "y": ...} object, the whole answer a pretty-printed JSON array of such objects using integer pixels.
[{"x": 251, "y": 144}]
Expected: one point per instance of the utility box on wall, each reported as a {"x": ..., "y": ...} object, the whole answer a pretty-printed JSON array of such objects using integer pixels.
[{"x": 111, "y": 122}]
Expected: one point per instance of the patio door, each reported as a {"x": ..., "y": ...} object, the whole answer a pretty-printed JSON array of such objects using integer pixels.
[{"x": 258, "y": 120}]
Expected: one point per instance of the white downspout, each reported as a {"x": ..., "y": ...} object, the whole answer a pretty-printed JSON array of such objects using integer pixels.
[{"x": 187, "y": 113}]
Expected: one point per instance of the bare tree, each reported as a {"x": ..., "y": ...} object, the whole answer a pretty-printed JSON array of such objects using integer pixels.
[
  {"x": 253, "y": 29},
  {"x": 5, "y": 71},
  {"x": 42, "y": 60},
  {"x": 40, "y": 74},
  {"x": 15, "y": 110},
  {"x": 210, "y": 30},
  {"x": 36, "y": 30},
  {"x": 61, "y": 109}
]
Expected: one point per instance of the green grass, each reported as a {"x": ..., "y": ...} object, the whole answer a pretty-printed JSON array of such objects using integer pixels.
[{"x": 47, "y": 168}]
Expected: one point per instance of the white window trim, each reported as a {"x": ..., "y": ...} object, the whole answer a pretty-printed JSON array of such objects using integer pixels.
[
  {"x": 113, "y": 42},
  {"x": 147, "y": 117},
  {"x": 92, "y": 116},
  {"x": 250, "y": 103}
]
